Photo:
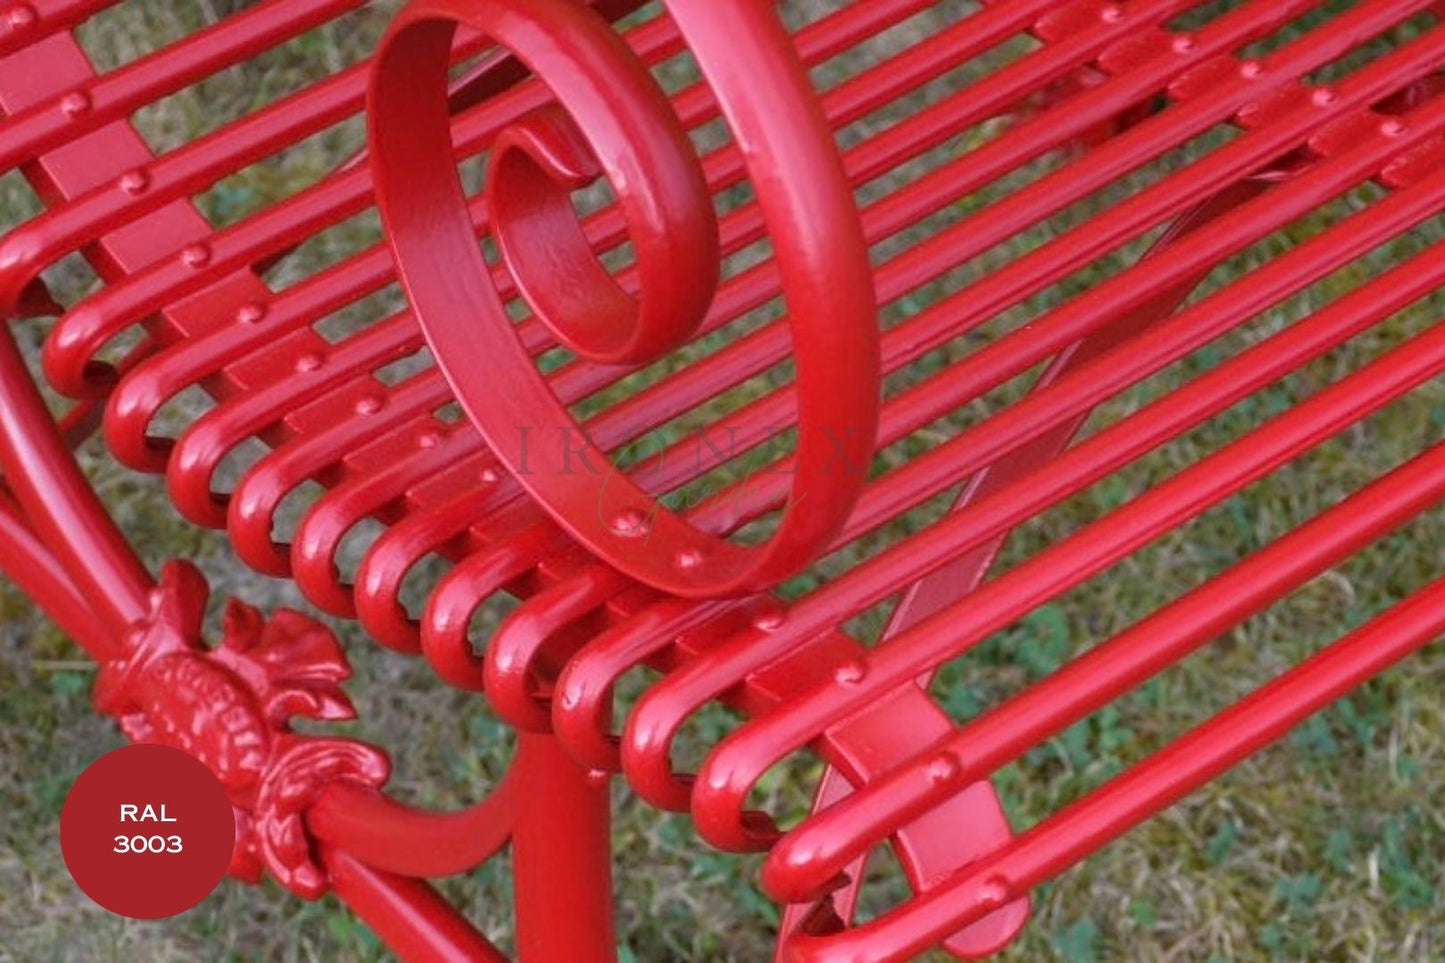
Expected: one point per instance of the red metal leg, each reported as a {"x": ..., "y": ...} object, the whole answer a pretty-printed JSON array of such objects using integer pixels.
[{"x": 562, "y": 858}]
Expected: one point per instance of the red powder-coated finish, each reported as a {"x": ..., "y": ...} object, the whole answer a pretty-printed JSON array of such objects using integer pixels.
[
  {"x": 803, "y": 367},
  {"x": 629, "y": 134}
]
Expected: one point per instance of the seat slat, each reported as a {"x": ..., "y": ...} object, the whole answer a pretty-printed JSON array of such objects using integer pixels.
[{"x": 1049, "y": 191}]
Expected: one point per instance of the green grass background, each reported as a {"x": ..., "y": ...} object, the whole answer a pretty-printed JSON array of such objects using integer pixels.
[{"x": 1326, "y": 846}]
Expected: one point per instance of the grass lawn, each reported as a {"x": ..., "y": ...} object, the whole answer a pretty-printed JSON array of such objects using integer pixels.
[{"x": 1329, "y": 845}]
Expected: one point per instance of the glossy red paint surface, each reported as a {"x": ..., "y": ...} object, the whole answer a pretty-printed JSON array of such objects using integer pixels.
[
  {"x": 869, "y": 223},
  {"x": 613, "y": 120}
]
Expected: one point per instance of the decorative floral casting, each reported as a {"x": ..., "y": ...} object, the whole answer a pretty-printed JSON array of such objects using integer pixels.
[{"x": 231, "y": 707}]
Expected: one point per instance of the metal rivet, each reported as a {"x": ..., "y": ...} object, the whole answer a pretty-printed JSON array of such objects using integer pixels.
[
  {"x": 688, "y": 558},
  {"x": 1111, "y": 13},
  {"x": 308, "y": 362},
  {"x": 488, "y": 475},
  {"x": 21, "y": 15},
  {"x": 250, "y": 313},
  {"x": 1323, "y": 96},
  {"x": 1392, "y": 127},
  {"x": 429, "y": 439},
  {"x": 850, "y": 673},
  {"x": 769, "y": 620},
  {"x": 75, "y": 103},
  {"x": 1183, "y": 43},
  {"x": 944, "y": 769},
  {"x": 993, "y": 891},
  {"x": 630, "y": 523},
  {"x": 134, "y": 182},
  {"x": 369, "y": 405},
  {"x": 1251, "y": 69},
  {"x": 196, "y": 255}
]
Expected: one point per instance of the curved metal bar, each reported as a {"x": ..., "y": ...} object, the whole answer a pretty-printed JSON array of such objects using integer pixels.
[
  {"x": 62, "y": 508},
  {"x": 849, "y": 100},
  {"x": 30, "y": 565},
  {"x": 751, "y": 424},
  {"x": 408, "y": 914},
  {"x": 928, "y": 848},
  {"x": 402, "y": 839},
  {"x": 582, "y": 700},
  {"x": 251, "y": 510},
  {"x": 398, "y": 550},
  {"x": 815, "y": 852},
  {"x": 199, "y": 453},
  {"x": 664, "y": 708},
  {"x": 138, "y": 397},
  {"x": 518, "y": 683},
  {"x": 731, "y": 770},
  {"x": 840, "y": 104},
  {"x": 321, "y": 533},
  {"x": 275, "y": 315},
  {"x": 965, "y": 573},
  {"x": 1150, "y": 786},
  {"x": 444, "y": 640},
  {"x": 740, "y": 47},
  {"x": 206, "y": 442}
]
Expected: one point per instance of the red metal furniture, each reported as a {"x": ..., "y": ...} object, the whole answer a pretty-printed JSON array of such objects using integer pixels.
[{"x": 745, "y": 387}]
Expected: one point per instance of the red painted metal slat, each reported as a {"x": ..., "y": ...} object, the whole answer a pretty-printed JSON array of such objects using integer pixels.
[
  {"x": 927, "y": 175},
  {"x": 770, "y": 412}
]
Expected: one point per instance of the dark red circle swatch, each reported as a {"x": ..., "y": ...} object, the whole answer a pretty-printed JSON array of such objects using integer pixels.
[{"x": 146, "y": 884}]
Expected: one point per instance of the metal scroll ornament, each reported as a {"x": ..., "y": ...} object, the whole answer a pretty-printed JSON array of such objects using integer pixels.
[
  {"x": 611, "y": 119},
  {"x": 231, "y": 708}
]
